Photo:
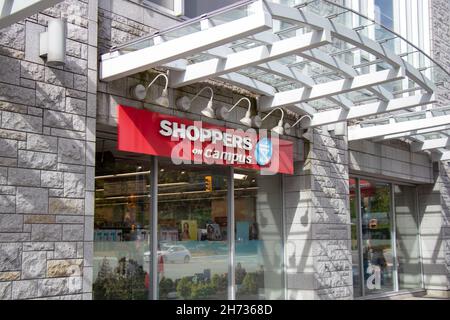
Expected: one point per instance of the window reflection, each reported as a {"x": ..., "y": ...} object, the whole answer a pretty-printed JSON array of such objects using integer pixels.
[
  {"x": 376, "y": 236},
  {"x": 258, "y": 247},
  {"x": 384, "y": 13},
  {"x": 407, "y": 225},
  {"x": 192, "y": 231},
  {"x": 378, "y": 261},
  {"x": 121, "y": 234}
]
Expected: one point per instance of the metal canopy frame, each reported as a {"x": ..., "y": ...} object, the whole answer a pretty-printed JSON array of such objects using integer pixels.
[
  {"x": 12, "y": 11},
  {"x": 312, "y": 57},
  {"x": 427, "y": 130}
]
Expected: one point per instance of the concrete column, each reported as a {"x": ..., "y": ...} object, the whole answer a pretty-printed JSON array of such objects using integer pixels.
[
  {"x": 445, "y": 228},
  {"x": 433, "y": 219},
  {"x": 318, "y": 234}
]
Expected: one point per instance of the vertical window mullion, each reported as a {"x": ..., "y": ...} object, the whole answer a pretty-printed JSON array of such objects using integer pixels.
[
  {"x": 394, "y": 240},
  {"x": 231, "y": 235},
  {"x": 283, "y": 237},
  {"x": 359, "y": 236},
  {"x": 419, "y": 239},
  {"x": 154, "y": 229}
]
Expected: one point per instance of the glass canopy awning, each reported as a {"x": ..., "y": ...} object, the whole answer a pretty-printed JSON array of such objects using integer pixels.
[{"x": 311, "y": 57}]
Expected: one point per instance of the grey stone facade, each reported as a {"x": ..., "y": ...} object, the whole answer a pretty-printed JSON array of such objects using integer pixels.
[
  {"x": 440, "y": 234},
  {"x": 441, "y": 44},
  {"x": 47, "y": 145}
]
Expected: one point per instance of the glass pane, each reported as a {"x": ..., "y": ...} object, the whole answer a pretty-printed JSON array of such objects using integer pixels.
[
  {"x": 376, "y": 236},
  {"x": 192, "y": 232},
  {"x": 409, "y": 273},
  {"x": 122, "y": 219},
  {"x": 354, "y": 230},
  {"x": 169, "y": 4},
  {"x": 384, "y": 13},
  {"x": 258, "y": 218},
  {"x": 231, "y": 15}
]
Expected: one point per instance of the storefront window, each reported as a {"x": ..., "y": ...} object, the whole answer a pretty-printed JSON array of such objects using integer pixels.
[
  {"x": 192, "y": 231},
  {"x": 169, "y": 230},
  {"x": 409, "y": 273},
  {"x": 258, "y": 236},
  {"x": 122, "y": 215},
  {"x": 376, "y": 236}
]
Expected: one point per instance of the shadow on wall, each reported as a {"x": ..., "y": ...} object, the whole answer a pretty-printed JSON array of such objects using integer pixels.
[
  {"x": 327, "y": 215},
  {"x": 434, "y": 204}
]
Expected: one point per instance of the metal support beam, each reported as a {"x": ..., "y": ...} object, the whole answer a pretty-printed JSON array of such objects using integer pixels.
[
  {"x": 165, "y": 52},
  {"x": 283, "y": 71},
  {"x": 445, "y": 156},
  {"x": 328, "y": 61},
  {"x": 291, "y": 73},
  {"x": 314, "y": 55},
  {"x": 430, "y": 144},
  {"x": 358, "y": 112},
  {"x": 412, "y": 133},
  {"x": 251, "y": 57},
  {"x": 248, "y": 83},
  {"x": 358, "y": 133},
  {"x": 329, "y": 89},
  {"x": 351, "y": 36}
]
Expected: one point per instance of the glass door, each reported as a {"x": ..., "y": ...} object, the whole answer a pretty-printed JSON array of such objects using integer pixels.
[
  {"x": 407, "y": 231},
  {"x": 376, "y": 208},
  {"x": 385, "y": 237}
]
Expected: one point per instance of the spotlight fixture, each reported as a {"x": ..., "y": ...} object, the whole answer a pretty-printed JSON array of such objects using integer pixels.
[
  {"x": 184, "y": 103},
  {"x": 140, "y": 91},
  {"x": 307, "y": 133},
  {"x": 248, "y": 121},
  {"x": 280, "y": 129},
  {"x": 300, "y": 120}
]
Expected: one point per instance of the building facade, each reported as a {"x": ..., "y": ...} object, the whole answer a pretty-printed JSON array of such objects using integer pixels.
[{"x": 81, "y": 218}]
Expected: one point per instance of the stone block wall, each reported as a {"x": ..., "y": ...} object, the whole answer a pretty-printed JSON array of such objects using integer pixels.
[
  {"x": 47, "y": 144},
  {"x": 445, "y": 213},
  {"x": 440, "y": 14},
  {"x": 318, "y": 236},
  {"x": 440, "y": 37}
]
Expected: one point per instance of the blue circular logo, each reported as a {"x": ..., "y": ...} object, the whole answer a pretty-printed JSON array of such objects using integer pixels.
[{"x": 263, "y": 151}]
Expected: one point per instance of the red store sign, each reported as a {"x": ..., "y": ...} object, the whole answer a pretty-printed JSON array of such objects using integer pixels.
[{"x": 187, "y": 141}]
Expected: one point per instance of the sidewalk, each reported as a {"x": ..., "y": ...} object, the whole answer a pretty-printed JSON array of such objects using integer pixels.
[{"x": 418, "y": 298}]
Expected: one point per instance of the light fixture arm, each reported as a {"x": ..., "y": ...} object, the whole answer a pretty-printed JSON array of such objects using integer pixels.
[
  {"x": 159, "y": 75},
  {"x": 203, "y": 89},
  {"x": 282, "y": 114},
  {"x": 236, "y": 104},
  {"x": 301, "y": 118}
]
